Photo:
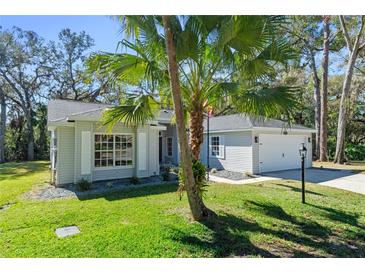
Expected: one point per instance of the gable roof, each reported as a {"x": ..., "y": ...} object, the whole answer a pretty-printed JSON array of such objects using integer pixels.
[
  {"x": 60, "y": 110},
  {"x": 236, "y": 122}
]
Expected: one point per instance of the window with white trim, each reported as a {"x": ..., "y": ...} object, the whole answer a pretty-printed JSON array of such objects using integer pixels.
[
  {"x": 217, "y": 146},
  {"x": 113, "y": 150},
  {"x": 123, "y": 150},
  {"x": 169, "y": 146}
]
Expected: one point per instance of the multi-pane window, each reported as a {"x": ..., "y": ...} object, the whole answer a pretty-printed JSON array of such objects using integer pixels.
[
  {"x": 169, "y": 146},
  {"x": 215, "y": 146},
  {"x": 123, "y": 150},
  {"x": 113, "y": 150}
]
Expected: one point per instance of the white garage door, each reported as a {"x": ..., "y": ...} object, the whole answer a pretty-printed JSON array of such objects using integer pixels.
[{"x": 279, "y": 152}]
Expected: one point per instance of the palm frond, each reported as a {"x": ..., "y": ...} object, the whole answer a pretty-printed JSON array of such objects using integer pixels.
[
  {"x": 267, "y": 102},
  {"x": 141, "y": 109}
]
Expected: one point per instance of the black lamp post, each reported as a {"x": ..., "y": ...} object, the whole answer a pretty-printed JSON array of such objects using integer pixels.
[{"x": 303, "y": 155}]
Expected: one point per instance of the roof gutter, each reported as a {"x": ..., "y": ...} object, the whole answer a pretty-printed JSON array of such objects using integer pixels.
[{"x": 287, "y": 129}]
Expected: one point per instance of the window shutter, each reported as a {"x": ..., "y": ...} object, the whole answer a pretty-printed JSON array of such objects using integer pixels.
[
  {"x": 142, "y": 151},
  {"x": 85, "y": 153}
]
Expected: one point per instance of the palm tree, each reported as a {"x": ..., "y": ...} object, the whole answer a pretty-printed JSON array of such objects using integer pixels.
[
  {"x": 221, "y": 61},
  {"x": 198, "y": 209}
]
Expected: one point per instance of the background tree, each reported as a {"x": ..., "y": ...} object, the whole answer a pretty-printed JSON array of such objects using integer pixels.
[
  {"x": 70, "y": 79},
  {"x": 354, "y": 45},
  {"x": 24, "y": 67},
  {"x": 2, "y": 123},
  {"x": 324, "y": 91},
  {"x": 305, "y": 34}
]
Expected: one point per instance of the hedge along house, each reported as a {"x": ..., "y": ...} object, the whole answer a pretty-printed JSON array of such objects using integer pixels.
[
  {"x": 81, "y": 147},
  {"x": 246, "y": 144}
]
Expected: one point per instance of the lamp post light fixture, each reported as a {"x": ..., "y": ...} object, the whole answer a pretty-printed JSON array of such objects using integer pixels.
[{"x": 303, "y": 155}]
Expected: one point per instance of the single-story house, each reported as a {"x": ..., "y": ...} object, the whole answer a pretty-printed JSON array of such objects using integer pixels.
[{"x": 81, "y": 147}]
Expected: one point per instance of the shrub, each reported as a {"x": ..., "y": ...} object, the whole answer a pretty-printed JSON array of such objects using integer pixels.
[
  {"x": 355, "y": 152},
  {"x": 199, "y": 173},
  {"x": 166, "y": 173},
  {"x": 83, "y": 185},
  {"x": 135, "y": 180}
]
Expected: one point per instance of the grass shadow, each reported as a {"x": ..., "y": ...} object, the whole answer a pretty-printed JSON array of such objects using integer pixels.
[
  {"x": 14, "y": 170},
  {"x": 231, "y": 236},
  {"x": 228, "y": 238},
  {"x": 340, "y": 216},
  {"x": 130, "y": 192},
  {"x": 297, "y": 189}
]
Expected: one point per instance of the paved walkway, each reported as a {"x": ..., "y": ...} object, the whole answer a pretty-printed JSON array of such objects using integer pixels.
[
  {"x": 354, "y": 183},
  {"x": 240, "y": 182},
  {"x": 343, "y": 179}
]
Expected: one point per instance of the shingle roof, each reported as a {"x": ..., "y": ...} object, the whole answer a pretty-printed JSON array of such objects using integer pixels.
[
  {"x": 60, "y": 109},
  {"x": 242, "y": 121}
]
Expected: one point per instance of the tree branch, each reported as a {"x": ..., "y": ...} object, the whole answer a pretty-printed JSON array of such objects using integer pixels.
[{"x": 345, "y": 33}]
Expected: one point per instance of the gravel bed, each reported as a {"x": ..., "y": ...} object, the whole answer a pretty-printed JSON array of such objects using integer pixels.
[
  {"x": 232, "y": 175},
  {"x": 103, "y": 187}
]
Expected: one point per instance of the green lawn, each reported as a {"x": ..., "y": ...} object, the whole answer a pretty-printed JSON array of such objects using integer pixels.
[{"x": 264, "y": 219}]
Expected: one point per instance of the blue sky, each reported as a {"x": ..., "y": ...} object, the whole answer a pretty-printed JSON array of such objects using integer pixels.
[{"x": 104, "y": 30}]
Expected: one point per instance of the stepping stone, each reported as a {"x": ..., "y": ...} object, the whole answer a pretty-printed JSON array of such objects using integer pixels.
[
  {"x": 67, "y": 231},
  {"x": 5, "y": 207}
]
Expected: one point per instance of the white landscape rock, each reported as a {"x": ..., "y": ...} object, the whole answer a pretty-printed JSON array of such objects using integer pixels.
[{"x": 67, "y": 231}]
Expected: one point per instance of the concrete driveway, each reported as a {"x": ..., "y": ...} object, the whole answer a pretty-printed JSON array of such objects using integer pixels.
[{"x": 343, "y": 179}]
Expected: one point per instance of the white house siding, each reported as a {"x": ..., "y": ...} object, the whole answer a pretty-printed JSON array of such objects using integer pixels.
[
  {"x": 238, "y": 152},
  {"x": 65, "y": 155},
  {"x": 255, "y": 146}
]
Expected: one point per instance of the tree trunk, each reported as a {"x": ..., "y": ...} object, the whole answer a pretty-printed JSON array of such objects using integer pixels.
[
  {"x": 344, "y": 103},
  {"x": 198, "y": 209},
  {"x": 196, "y": 127},
  {"x": 317, "y": 101},
  {"x": 2, "y": 126},
  {"x": 324, "y": 92},
  {"x": 342, "y": 116},
  {"x": 30, "y": 135}
]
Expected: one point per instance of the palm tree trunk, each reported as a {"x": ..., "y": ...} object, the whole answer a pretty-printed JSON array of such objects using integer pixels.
[
  {"x": 2, "y": 126},
  {"x": 198, "y": 209},
  {"x": 196, "y": 128},
  {"x": 323, "y": 116}
]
